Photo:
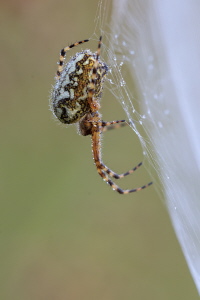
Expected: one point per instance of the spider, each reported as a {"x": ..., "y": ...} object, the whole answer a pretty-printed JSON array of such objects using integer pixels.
[{"x": 76, "y": 99}]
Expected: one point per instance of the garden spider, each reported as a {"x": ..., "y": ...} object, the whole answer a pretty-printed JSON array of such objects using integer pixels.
[{"x": 76, "y": 99}]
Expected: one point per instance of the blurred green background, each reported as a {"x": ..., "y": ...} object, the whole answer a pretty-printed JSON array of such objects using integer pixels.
[{"x": 64, "y": 234}]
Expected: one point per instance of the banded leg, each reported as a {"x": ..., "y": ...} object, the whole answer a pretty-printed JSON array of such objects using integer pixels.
[
  {"x": 113, "y": 125},
  {"x": 102, "y": 169},
  {"x": 118, "y": 176},
  {"x": 62, "y": 56},
  {"x": 122, "y": 191}
]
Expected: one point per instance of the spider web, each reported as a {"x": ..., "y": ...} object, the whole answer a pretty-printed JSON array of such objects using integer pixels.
[
  {"x": 160, "y": 47},
  {"x": 118, "y": 54}
]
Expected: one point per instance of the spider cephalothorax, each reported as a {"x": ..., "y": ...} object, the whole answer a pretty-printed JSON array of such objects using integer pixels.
[{"x": 76, "y": 99}]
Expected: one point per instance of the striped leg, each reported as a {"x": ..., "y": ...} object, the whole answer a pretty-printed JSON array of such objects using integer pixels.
[
  {"x": 102, "y": 169},
  {"x": 118, "y": 176},
  {"x": 108, "y": 126},
  {"x": 62, "y": 56},
  {"x": 113, "y": 125}
]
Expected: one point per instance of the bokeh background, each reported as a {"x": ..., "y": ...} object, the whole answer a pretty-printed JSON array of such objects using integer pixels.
[{"x": 64, "y": 234}]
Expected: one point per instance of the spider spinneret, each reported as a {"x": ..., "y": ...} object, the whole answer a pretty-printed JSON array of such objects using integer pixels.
[{"x": 76, "y": 99}]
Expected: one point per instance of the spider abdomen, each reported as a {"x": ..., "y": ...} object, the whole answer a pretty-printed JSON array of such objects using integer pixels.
[{"x": 70, "y": 93}]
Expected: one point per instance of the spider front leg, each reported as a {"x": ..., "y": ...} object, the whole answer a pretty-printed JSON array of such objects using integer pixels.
[
  {"x": 102, "y": 169},
  {"x": 113, "y": 125},
  {"x": 62, "y": 56}
]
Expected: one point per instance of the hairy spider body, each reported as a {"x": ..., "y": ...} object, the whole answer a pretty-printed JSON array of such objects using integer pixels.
[{"x": 76, "y": 99}]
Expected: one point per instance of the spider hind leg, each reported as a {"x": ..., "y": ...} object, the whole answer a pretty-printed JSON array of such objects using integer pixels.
[
  {"x": 103, "y": 169},
  {"x": 116, "y": 188}
]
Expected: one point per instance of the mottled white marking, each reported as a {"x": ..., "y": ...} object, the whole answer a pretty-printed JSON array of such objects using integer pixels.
[
  {"x": 71, "y": 93},
  {"x": 85, "y": 94},
  {"x": 86, "y": 62},
  {"x": 72, "y": 113},
  {"x": 64, "y": 78},
  {"x": 58, "y": 112},
  {"x": 71, "y": 67},
  {"x": 64, "y": 94},
  {"x": 79, "y": 56}
]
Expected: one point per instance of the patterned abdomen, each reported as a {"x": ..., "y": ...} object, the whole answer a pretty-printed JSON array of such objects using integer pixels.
[{"x": 70, "y": 93}]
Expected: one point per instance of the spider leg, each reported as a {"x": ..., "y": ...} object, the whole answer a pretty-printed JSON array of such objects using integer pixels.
[
  {"x": 62, "y": 56},
  {"x": 118, "y": 176},
  {"x": 101, "y": 168},
  {"x": 113, "y": 125}
]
